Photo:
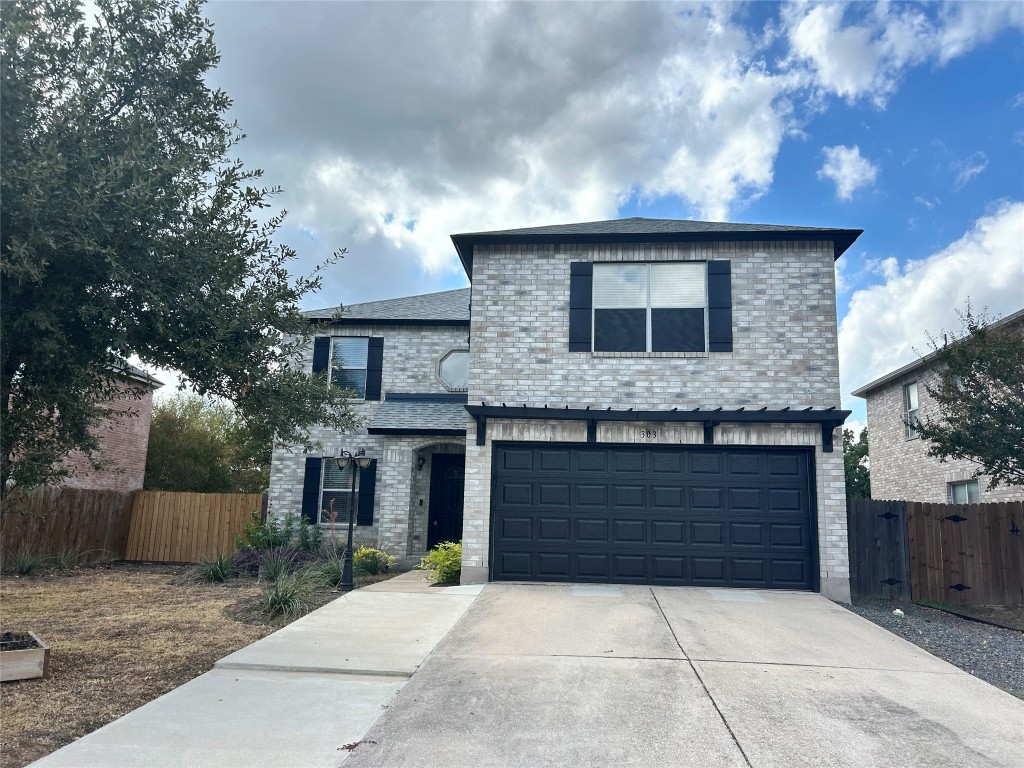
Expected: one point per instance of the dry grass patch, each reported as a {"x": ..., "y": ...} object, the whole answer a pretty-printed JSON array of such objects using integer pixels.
[{"x": 120, "y": 635}]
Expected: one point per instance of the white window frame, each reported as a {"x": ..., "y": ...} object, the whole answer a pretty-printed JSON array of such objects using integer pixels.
[
  {"x": 649, "y": 341},
  {"x": 910, "y": 414},
  {"x": 967, "y": 485},
  {"x": 330, "y": 362},
  {"x": 342, "y": 518}
]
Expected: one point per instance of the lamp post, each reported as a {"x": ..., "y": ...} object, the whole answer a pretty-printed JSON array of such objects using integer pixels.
[{"x": 345, "y": 459}]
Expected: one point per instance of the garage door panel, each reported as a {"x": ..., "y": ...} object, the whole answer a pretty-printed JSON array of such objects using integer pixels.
[
  {"x": 629, "y": 532},
  {"x": 715, "y": 516}
]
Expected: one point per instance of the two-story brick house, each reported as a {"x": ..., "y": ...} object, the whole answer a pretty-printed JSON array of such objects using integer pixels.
[
  {"x": 900, "y": 465},
  {"x": 643, "y": 401}
]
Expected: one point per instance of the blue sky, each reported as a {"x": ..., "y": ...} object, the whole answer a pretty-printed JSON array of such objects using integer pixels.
[{"x": 393, "y": 125}]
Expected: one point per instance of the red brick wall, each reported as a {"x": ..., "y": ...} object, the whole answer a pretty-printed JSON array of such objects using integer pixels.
[{"x": 123, "y": 442}]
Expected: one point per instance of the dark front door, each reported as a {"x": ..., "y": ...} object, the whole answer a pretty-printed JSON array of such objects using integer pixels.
[
  {"x": 447, "y": 482},
  {"x": 712, "y": 516}
]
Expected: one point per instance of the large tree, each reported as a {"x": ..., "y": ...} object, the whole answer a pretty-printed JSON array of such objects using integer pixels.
[
  {"x": 129, "y": 228},
  {"x": 855, "y": 462},
  {"x": 979, "y": 397},
  {"x": 201, "y": 445}
]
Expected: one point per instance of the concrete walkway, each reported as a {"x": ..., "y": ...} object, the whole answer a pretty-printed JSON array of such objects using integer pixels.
[
  {"x": 294, "y": 698},
  {"x": 560, "y": 675}
]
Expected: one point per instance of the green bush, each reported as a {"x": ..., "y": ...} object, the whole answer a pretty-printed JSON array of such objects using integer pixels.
[
  {"x": 68, "y": 558},
  {"x": 262, "y": 534},
  {"x": 291, "y": 595},
  {"x": 24, "y": 561},
  {"x": 444, "y": 563},
  {"x": 311, "y": 536},
  {"x": 330, "y": 568},
  {"x": 372, "y": 562},
  {"x": 275, "y": 563},
  {"x": 216, "y": 567}
]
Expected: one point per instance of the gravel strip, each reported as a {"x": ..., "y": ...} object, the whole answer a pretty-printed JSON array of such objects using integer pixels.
[{"x": 993, "y": 654}]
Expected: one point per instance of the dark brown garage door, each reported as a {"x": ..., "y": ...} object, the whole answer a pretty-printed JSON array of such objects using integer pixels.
[{"x": 700, "y": 515}]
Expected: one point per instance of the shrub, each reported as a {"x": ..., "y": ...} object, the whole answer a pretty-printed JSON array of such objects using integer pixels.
[
  {"x": 290, "y": 595},
  {"x": 444, "y": 563},
  {"x": 24, "y": 561},
  {"x": 68, "y": 558},
  {"x": 372, "y": 562},
  {"x": 331, "y": 567},
  {"x": 216, "y": 567},
  {"x": 275, "y": 563},
  {"x": 262, "y": 534},
  {"x": 246, "y": 561},
  {"x": 311, "y": 536}
]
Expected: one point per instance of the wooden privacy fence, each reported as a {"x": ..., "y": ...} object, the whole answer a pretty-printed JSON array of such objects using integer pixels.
[
  {"x": 184, "y": 527},
  {"x": 93, "y": 523},
  {"x": 956, "y": 554}
]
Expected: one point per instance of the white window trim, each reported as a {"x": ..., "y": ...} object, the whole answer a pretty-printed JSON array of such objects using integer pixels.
[
  {"x": 649, "y": 342},
  {"x": 440, "y": 378},
  {"x": 966, "y": 484},
  {"x": 342, "y": 520},
  {"x": 330, "y": 364}
]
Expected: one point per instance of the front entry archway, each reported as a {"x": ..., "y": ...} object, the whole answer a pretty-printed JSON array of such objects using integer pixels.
[{"x": 447, "y": 486}]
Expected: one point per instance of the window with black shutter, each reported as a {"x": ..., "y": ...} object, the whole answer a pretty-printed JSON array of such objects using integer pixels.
[{"x": 352, "y": 362}]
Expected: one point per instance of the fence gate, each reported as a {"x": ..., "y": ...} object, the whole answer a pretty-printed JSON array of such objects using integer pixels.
[{"x": 879, "y": 555}]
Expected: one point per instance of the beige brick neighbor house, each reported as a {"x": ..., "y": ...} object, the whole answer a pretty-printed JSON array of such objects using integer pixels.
[
  {"x": 631, "y": 401},
  {"x": 900, "y": 465}
]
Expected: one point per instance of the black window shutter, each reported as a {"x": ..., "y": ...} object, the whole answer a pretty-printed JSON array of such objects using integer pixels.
[
  {"x": 581, "y": 286},
  {"x": 311, "y": 489},
  {"x": 719, "y": 306},
  {"x": 321, "y": 353},
  {"x": 367, "y": 483},
  {"x": 374, "y": 367}
]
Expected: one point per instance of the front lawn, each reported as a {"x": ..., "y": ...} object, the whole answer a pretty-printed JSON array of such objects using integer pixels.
[{"x": 121, "y": 635}]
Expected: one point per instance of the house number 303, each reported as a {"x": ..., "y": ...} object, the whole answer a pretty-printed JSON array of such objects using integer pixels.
[{"x": 647, "y": 434}]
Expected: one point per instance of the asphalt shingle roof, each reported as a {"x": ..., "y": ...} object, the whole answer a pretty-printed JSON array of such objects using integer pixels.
[
  {"x": 446, "y": 305},
  {"x": 420, "y": 414},
  {"x": 641, "y": 226}
]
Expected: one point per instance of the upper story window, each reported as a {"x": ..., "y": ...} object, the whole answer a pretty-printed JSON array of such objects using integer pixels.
[
  {"x": 453, "y": 370},
  {"x": 965, "y": 492},
  {"x": 650, "y": 307},
  {"x": 910, "y": 404},
  {"x": 662, "y": 309},
  {"x": 348, "y": 363}
]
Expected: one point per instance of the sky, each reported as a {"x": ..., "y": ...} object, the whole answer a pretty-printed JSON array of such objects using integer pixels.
[{"x": 392, "y": 125}]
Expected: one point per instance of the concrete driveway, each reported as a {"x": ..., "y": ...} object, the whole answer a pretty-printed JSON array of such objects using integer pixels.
[{"x": 562, "y": 675}]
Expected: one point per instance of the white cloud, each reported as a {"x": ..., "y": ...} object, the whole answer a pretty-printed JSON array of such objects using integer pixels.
[
  {"x": 861, "y": 50},
  {"x": 887, "y": 324},
  {"x": 848, "y": 169},
  {"x": 967, "y": 169},
  {"x": 927, "y": 202}
]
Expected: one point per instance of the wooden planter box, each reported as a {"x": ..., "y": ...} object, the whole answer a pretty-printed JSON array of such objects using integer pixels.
[{"x": 26, "y": 663}]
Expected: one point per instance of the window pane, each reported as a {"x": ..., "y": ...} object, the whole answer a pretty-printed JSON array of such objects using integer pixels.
[
  {"x": 972, "y": 491},
  {"x": 350, "y": 379},
  {"x": 349, "y": 353},
  {"x": 336, "y": 479},
  {"x": 340, "y": 510},
  {"x": 911, "y": 394},
  {"x": 620, "y": 285},
  {"x": 455, "y": 370},
  {"x": 620, "y": 330},
  {"x": 957, "y": 494},
  {"x": 677, "y": 330},
  {"x": 678, "y": 285}
]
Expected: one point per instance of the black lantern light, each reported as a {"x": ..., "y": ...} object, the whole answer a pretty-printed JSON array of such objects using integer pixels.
[{"x": 344, "y": 459}]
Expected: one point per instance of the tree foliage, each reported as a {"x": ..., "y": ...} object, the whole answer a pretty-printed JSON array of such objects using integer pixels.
[
  {"x": 202, "y": 445},
  {"x": 855, "y": 462},
  {"x": 128, "y": 228},
  {"x": 979, "y": 398}
]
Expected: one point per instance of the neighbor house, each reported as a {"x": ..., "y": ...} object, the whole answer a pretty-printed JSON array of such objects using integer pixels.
[
  {"x": 632, "y": 401},
  {"x": 123, "y": 439},
  {"x": 900, "y": 465}
]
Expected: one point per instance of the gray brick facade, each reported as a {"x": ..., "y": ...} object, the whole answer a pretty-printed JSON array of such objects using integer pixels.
[{"x": 785, "y": 353}]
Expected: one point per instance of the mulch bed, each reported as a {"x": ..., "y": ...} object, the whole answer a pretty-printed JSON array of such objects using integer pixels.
[
  {"x": 120, "y": 635},
  {"x": 994, "y": 654}
]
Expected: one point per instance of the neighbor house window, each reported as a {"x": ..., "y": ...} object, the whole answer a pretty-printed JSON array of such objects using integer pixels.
[
  {"x": 910, "y": 408},
  {"x": 336, "y": 492},
  {"x": 348, "y": 363},
  {"x": 650, "y": 307},
  {"x": 453, "y": 370},
  {"x": 965, "y": 492}
]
